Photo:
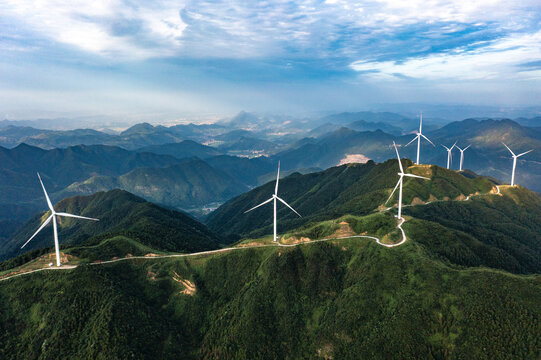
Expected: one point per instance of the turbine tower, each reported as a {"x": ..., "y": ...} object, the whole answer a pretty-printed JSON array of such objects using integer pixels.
[
  {"x": 515, "y": 157},
  {"x": 274, "y": 198},
  {"x": 462, "y": 155},
  {"x": 53, "y": 216},
  {"x": 418, "y": 138},
  {"x": 449, "y": 154},
  {"x": 400, "y": 182}
]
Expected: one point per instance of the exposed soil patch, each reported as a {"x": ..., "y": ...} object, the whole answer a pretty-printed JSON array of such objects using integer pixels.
[
  {"x": 251, "y": 244},
  {"x": 295, "y": 240},
  {"x": 343, "y": 231},
  {"x": 417, "y": 201},
  {"x": 354, "y": 158},
  {"x": 189, "y": 287},
  {"x": 151, "y": 275}
]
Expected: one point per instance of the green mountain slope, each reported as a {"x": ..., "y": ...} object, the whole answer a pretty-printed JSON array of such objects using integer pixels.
[
  {"x": 246, "y": 171},
  {"x": 465, "y": 284},
  {"x": 357, "y": 189},
  {"x": 120, "y": 213},
  {"x": 345, "y": 300},
  {"x": 497, "y": 231},
  {"x": 183, "y": 149},
  {"x": 189, "y": 184}
]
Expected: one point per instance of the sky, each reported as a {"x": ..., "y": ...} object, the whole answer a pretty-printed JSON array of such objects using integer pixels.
[{"x": 135, "y": 59}]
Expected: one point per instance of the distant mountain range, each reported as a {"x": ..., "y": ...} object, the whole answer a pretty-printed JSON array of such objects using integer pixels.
[
  {"x": 183, "y": 149},
  {"x": 183, "y": 183},
  {"x": 189, "y": 184},
  {"x": 487, "y": 155},
  {"x": 158, "y": 170}
]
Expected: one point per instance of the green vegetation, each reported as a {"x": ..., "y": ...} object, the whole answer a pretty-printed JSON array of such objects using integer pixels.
[
  {"x": 349, "y": 299},
  {"x": 183, "y": 149},
  {"x": 465, "y": 285},
  {"x": 381, "y": 225},
  {"x": 191, "y": 183},
  {"x": 501, "y": 232},
  {"x": 120, "y": 214},
  {"x": 355, "y": 189}
]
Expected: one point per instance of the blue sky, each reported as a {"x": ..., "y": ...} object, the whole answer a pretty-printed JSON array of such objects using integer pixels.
[{"x": 181, "y": 59}]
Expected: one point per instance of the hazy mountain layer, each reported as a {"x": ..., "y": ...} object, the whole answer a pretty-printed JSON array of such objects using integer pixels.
[{"x": 190, "y": 184}]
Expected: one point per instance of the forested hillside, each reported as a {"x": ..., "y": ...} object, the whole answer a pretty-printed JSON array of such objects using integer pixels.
[
  {"x": 348, "y": 300},
  {"x": 120, "y": 213},
  {"x": 357, "y": 189}
]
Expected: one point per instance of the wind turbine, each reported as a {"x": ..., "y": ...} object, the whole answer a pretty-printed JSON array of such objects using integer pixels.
[
  {"x": 399, "y": 183},
  {"x": 274, "y": 198},
  {"x": 515, "y": 162},
  {"x": 53, "y": 216},
  {"x": 418, "y": 138},
  {"x": 449, "y": 154},
  {"x": 462, "y": 155}
]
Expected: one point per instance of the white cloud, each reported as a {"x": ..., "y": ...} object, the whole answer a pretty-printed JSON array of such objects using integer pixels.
[
  {"x": 132, "y": 29},
  {"x": 88, "y": 25},
  {"x": 500, "y": 59}
]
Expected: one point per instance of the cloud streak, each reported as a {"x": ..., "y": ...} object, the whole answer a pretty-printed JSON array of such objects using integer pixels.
[
  {"x": 498, "y": 59},
  {"x": 370, "y": 50}
]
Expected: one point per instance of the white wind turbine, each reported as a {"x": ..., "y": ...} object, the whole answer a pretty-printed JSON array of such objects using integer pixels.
[
  {"x": 449, "y": 154},
  {"x": 418, "y": 138},
  {"x": 53, "y": 216},
  {"x": 399, "y": 183},
  {"x": 515, "y": 157},
  {"x": 274, "y": 198},
  {"x": 462, "y": 155}
]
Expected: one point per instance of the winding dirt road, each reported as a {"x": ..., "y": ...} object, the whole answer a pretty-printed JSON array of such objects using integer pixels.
[{"x": 278, "y": 244}]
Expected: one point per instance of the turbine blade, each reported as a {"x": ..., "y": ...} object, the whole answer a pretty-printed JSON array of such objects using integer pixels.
[
  {"x": 524, "y": 153},
  {"x": 415, "y": 138},
  {"x": 446, "y": 147},
  {"x": 508, "y": 149},
  {"x": 277, "y": 179},
  {"x": 421, "y": 124},
  {"x": 76, "y": 216},
  {"x": 466, "y": 147},
  {"x": 392, "y": 193},
  {"x": 286, "y": 204},
  {"x": 40, "y": 228},
  {"x": 427, "y": 139},
  {"x": 263, "y": 203},
  {"x": 461, "y": 150},
  {"x": 417, "y": 176},
  {"x": 398, "y": 157},
  {"x": 46, "y": 196}
]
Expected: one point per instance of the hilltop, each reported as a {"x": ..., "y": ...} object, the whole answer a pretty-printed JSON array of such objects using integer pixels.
[
  {"x": 120, "y": 214},
  {"x": 357, "y": 189}
]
